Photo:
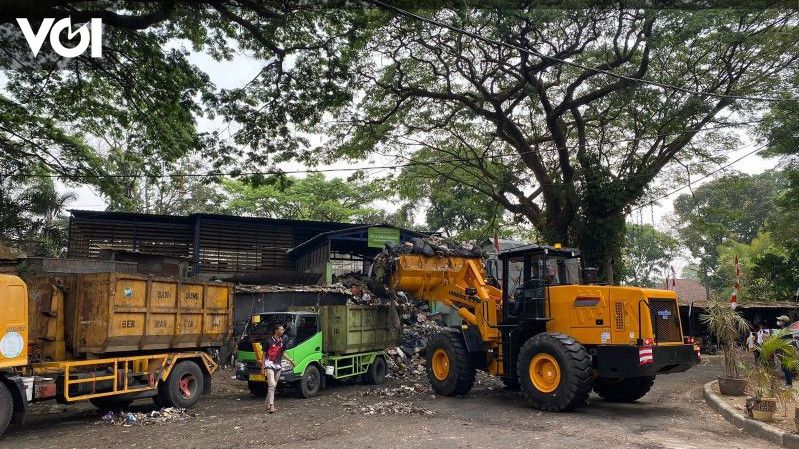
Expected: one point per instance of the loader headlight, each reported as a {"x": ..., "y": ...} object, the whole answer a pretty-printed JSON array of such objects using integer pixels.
[{"x": 240, "y": 366}]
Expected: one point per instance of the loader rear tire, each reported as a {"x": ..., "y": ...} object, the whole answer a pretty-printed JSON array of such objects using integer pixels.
[
  {"x": 630, "y": 389},
  {"x": 6, "y": 408},
  {"x": 184, "y": 386},
  {"x": 555, "y": 372},
  {"x": 448, "y": 368}
]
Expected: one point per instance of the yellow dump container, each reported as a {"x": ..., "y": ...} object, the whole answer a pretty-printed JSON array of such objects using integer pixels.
[{"x": 116, "y": 312}]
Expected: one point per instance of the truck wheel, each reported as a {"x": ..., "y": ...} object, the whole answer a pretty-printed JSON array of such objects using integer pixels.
[
  {"x": 257, "y": 389},
  {"x": 111, "y": 404},
  {"x": 448, "y": 368},
  {"x": 554, "y": 372},
  {"x": 6, "y": 407},
  {"x": 630, "y": 389},
  {"x": 376, "y": 374},
  {"x": 183, "y": 387},
  {"x": 311, "y": 382}
]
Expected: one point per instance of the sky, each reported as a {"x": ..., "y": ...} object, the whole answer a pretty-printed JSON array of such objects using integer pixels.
[{"x": 242, "y": 68}]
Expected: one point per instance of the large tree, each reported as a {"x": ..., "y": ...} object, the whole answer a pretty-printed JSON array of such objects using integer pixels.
[
  {"x": 730, "y": 209},
  {"x": 557, "y": 126},
  {"x": 648, "y": 254},
  {"x": 311, "y": 198},
  {"x": 144, "y": 97}
]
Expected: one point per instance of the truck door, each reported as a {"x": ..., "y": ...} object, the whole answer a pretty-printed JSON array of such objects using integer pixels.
[{"x": 13, "y": 322}]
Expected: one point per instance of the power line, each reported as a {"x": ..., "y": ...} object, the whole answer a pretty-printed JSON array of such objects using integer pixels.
[
  {"x": 691, "y": 182},
  {"x": 358, "y": 168},
  {"x": 570, "y": 63}
]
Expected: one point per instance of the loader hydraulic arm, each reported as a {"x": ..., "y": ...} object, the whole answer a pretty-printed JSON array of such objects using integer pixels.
[{"x": 455, "y": 281}]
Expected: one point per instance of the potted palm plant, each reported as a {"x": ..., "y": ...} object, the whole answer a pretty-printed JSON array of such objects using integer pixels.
[
  {"x": 727, "y": 326},
  {"x": 776, "y": 351}
]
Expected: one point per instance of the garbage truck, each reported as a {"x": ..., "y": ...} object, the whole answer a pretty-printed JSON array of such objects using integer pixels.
[
  {"x": 108, "y": 338},
  {"x": 336, "y": 341}
]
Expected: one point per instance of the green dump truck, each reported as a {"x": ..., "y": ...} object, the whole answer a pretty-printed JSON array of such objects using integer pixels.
[{"x": 341, "y": 342}]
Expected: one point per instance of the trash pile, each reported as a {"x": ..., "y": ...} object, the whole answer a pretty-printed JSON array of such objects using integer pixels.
[
  {"x": 437, "y": 246},
  {"x": 163, "y": 416},
  {"x": 357, "y": 286},
  {"x": 419, "y": 325},
  {"x": 394, "y": 408}
]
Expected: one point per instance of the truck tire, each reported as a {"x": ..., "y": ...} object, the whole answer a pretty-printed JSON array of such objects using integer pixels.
[
  {"x": 448, "y": 368},
  {"x": 184, "y": 386},
  {"x": 555, "y": 372},
  {"x": 630, "y": 389},
  {"x": 376, "y": 374},
  {"x": 6, "y": 408},
  {"x": 112, "y": 404},
  {"x": 257, "y": 389},
  {"x": 311, "y": 382}
]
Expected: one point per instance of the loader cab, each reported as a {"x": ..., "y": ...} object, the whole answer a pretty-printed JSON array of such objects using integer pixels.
[{"x": 526, "y": 274}]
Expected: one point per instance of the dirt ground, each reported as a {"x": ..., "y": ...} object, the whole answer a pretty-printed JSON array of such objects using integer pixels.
[{"x": 401, "y": 414}]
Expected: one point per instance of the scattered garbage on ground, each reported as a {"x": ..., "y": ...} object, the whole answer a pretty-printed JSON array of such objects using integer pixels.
[
  {"x": 165, "y": 415},
  {"x": 389, "y": 407}
]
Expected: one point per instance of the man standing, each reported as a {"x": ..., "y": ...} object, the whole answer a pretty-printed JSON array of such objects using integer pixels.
[{"x": 274, "y": 349}]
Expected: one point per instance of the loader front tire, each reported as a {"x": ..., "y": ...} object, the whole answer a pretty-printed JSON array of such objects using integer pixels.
[
  {"x": 448, "y": 368},
  {"x": 555, "y": 372},
  {"x": 623, "y": 390}
]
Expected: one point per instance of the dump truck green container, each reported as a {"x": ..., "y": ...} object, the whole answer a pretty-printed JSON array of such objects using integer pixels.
[{"x": 349, "y": 329}]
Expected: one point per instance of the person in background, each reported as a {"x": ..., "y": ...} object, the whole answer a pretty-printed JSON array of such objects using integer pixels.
[
  {"x": 751, "y": 342},
  {"x": 274, "y": 353},
  {"x": 782, "y": 322}
]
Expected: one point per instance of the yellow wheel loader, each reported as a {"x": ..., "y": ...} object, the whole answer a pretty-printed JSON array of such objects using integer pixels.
[{"x": 544, "y": 331}]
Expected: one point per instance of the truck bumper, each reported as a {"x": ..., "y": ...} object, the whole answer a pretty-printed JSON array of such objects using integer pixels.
[
  {"x": 255, "y": 376},
  {"x": 625, "y": 361}
]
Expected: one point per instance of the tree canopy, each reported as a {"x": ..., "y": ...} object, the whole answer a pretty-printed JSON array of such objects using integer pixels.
[
  {"x": 648, "y": 255},
  {"x": 557, "y": 127}
]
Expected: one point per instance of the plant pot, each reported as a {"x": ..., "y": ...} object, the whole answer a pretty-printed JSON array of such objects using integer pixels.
[
  {"x": 763, "y": 409},
  {"x": 729, "y": 386}
]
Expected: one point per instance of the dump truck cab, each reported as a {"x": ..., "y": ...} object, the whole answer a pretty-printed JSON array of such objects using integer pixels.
[
  {"x": 338, "y": 342},
  {"x": 630, "y": 332},
  {"x": 303, "y": 345},
  {"x": 13, "y": 350}
]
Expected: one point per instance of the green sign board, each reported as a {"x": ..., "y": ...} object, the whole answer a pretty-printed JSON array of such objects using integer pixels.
[{"x": 378, "y": 237}]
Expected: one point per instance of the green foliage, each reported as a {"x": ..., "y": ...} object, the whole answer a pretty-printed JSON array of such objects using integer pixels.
[
  {"x": 776, "y": 346},
  {"x": 567, "y": 149},
  {"x": 648, "y": 253},
  {"x": 31, "y": 216},
  {"x": 727, "y": 325},
  {"x": 309, "y": 198},
  {"x": 723, "y": 212},
  {"x": 142, "y": 102}
]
